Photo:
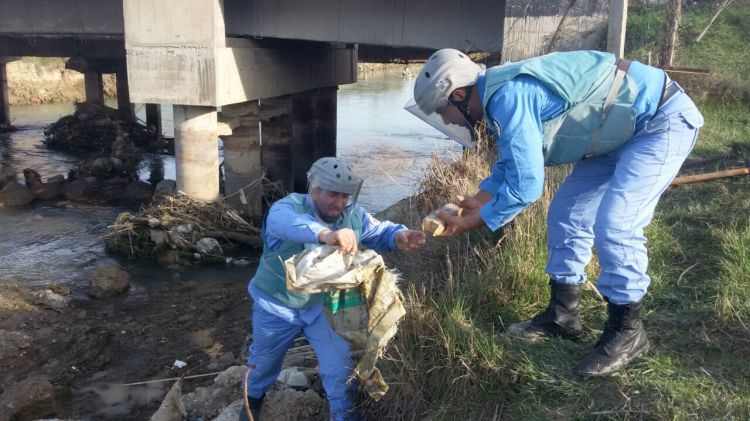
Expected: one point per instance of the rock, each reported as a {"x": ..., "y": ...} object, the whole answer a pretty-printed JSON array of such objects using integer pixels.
[
  {"x": 138, "y": 192},
  {"x": 50, "y": 190},
  {"x": 289, "y": 404},
  {"x": 34, "y": 397},
  {"x": 100, "y": 167},
  {"x": 153, "y": 222},
  {"x": 171, "y": 408},
  {"x": 232, "y": 376},
  {"x": 184, "y": 228},
  {"x": 159, "y": 237},
  {"x": 202, "y": 338},
  {"x": 209, "y": 246},
  {"x": 240, "y": 262},
  {"x": 232, "y": 412},
  {"x": 52, "y": 299},
  {"x": 15, "y": 195},
  {"x": 165, "y": 188},
  {"x": 293, "y": 377},
  {"x": 109, "y": 280},
  {"x": 207, "y": 402},
  {"x": 12, "y": 343},
  {"x": 80, "y": 189}
]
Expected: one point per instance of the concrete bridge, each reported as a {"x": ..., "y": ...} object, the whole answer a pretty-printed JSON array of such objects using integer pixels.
[{"x": 263, "y": 74}]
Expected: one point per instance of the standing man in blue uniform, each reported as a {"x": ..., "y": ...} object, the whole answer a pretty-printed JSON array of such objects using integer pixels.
[
  {"x": 627, "y": 127},
  {"x": 327, "y": 215}
]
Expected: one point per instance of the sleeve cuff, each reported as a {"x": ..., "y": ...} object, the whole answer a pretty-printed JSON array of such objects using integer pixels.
[
  {"x": 488, "y": 216},
  {"x": 489, "y": 185},
  {"x": 315, "y": 230}
]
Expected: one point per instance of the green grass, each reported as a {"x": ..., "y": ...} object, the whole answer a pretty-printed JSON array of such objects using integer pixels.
[
  {"x": 723, "y": 49},
  {"x": 451, "y": 361}
]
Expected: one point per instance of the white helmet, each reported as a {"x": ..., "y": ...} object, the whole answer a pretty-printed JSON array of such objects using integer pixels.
[
  {"x": 334, "y": 174},
  {"x": 445, "y": 71}
]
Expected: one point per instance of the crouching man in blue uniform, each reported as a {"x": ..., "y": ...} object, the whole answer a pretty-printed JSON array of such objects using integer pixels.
[
  {"x": 626, "y": 126},
  {"x": 328, "y": 214}
]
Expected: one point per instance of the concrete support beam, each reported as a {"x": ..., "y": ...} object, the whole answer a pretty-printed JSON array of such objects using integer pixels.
[
  {"x": 124, "y": 106},
  {"x": 94, "y": 87},
  {"x": 153, "y": 117},
  {"x": 313, "y": 131},
  {"x": 4, "y": 107},
  {"x": 243, "y": 71},
  {"x": 197, "y": 152}
]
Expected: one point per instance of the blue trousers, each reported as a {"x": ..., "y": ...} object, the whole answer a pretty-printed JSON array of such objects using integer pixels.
[
  {"x": 607, "y": 201},
  {"x": 273, "y": 334}
]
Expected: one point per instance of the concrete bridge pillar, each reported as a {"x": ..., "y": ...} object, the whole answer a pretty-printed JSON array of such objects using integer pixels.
[
  {"x": 313, "y": 131},
  {"x": 243, "y": 168},
  {"x": 94, "y": 86},
  {"x": 153, "y": 117},
  {"x": 4, "y": 106},
  {"x": 197, "y": 151},
  {"x": 123, "y": 94}
]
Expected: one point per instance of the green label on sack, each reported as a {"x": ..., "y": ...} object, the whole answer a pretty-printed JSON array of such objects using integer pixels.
[{"x": 340, "y": 299}]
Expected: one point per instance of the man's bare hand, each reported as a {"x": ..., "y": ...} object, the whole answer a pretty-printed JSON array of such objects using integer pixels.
[
  {"x": 474, "y": 202},
  {"x": 454, "y": 225},
  {"x": 344, "y": 238},
  {"x": 410, "y": 240}
]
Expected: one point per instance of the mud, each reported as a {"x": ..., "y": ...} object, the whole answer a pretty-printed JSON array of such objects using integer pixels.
[{"x": 89, "y": 348}]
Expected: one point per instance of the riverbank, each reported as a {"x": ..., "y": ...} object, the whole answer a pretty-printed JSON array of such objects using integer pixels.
[{"x": 36, "y": 80}]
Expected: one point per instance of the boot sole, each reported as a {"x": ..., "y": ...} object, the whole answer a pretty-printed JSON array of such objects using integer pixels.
[
  {"x": 523, "y": 332},
  {"x": 615, "y": 367}
]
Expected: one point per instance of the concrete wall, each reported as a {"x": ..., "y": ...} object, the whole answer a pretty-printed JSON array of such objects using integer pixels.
[
  {"x": 85, "y": 17},
  {"x": 535, "y": 27}
]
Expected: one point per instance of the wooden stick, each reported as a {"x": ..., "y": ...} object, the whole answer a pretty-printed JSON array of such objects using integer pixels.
[
  {"x": 700, "y": 178},
  {"x": 711, "y": 22}
]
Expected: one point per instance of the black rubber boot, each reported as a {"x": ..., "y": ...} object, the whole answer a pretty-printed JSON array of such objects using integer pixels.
[
  {"x": 622, "y": 341},
  {"x": 561, "y": 318},
  {"x": 255, "y": 406}
]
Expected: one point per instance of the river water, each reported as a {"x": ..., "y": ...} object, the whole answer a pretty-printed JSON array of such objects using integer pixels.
[{"x": 57, "y": 244}]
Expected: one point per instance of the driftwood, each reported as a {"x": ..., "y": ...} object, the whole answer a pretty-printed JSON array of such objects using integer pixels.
[{"x": 700, "y": 178}]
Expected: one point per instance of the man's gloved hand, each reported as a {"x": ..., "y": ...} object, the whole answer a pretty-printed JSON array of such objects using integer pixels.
[
  {"x": 344, "y": 238},
  {"x": 410, "y": 240}
]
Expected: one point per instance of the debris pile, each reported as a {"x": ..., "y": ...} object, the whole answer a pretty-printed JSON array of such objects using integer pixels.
[
  {"x": 179, "y": 230},
  {"x": 111, "y": 142}
]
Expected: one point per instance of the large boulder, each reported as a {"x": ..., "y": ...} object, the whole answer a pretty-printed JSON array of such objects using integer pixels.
[
  {"x": 108, "y": 280},
  {"x": 32, "y": 398},
  {"x": 138, "y": 192},
  {"x": 165, "y": 188},
  {"x": 81, "y": 189},
  {"x": 50, "y": 190},
  {"x": 207, "y": 402},
  {"x": 15, "y": 195}
]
